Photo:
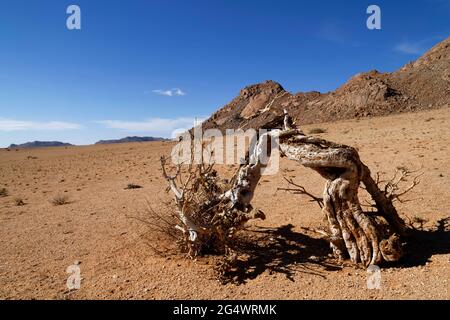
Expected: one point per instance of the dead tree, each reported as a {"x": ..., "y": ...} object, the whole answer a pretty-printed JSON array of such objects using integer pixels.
[
  {"x": 352, "y": 232},
  {"x": 210, "y": 212}
]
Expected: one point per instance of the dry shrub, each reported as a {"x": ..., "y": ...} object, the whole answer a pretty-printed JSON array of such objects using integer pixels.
[
  {"x": 201, "y": 219},
  {"x": 3, "y": 192},
  {"x": 60, "y": 199},
  {"x": 18, "y": 201},
  {"x": 317, "y": 130},
  {"x": 133, "y": 186},
  {"x": 199, "y": 216},
  {"x": 417, "y": 221}
]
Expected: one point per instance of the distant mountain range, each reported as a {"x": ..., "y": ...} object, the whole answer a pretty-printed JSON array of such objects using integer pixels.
[
  {"x": 131, "y": 139},
  {"x": 40, "y": 144}
]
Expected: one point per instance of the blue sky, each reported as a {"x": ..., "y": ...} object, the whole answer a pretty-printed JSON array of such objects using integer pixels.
[{"x": 148, "y": 67}]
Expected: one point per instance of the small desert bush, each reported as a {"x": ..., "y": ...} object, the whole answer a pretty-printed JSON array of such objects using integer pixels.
[
  {"x": 18, "y": 201},
  {"x": 3, "y": 192},
  {"x": 418, "y": 221},
  {"x": 317, "y": 130},
  {"x": 60, "y": 199},
  {"x": 133, "y": 186}
]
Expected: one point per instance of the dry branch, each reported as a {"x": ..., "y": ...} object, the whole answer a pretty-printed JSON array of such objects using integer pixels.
[{"x": 299, "y": 189}]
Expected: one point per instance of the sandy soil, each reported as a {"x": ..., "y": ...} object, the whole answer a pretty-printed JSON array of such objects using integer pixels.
[{"x": 39, "y": 240}]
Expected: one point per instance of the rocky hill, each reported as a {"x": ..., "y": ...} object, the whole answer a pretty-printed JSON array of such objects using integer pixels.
[
  {"x": 40, "y": 144},
  {"x": 423, "y": 84},
  {"x": 130, "y": 139}
]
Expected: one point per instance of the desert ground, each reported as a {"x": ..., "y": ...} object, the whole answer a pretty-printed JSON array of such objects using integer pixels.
[{"x": 98, "y": 228}]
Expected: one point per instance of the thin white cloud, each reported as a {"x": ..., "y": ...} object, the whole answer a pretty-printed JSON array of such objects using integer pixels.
[
  {"x": 170, "y": 93},
  {"x": 331, "y": 32},
  {"x": 409, "y": 48},
  {"x": 158, "y": 127},
  {"x": 417, "y": 47},
  {"x": 20, "y": 125}
]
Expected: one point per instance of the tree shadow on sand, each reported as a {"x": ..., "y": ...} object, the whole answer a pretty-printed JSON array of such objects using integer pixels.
[
  {"x": 285, "y": 251},
  {"x": 421, "y": 245},
  {"x": 280, "y": 250}
]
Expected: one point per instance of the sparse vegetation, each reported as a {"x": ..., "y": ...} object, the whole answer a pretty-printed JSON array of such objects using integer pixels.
[
  {"x": 60, "y": 199},
  {"x": 18, "y": 201},
  {"x": 3, "y": 192},
  {"x": 417, "y": 221},
  {"x": 133, "y": 186},
  {"x": 317, "y": 131}
]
